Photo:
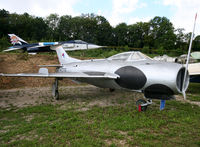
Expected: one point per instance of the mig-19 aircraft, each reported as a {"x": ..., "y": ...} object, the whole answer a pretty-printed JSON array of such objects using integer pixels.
[
  {"x": 20, "y": 44},
  {"x": 129, "y": 70}
]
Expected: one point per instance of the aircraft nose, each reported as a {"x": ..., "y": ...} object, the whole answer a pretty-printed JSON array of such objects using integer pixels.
[{"x": 165, "y": 81}]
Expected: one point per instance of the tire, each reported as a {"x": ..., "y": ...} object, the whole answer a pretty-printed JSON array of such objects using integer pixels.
[
  {"x": 111, "y": 90},
  {"x": 139, "y": 102}
]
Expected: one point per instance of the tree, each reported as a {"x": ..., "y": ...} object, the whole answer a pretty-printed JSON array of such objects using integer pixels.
[
  {"x": 181, "y": 39},
  {"x": 158, "y": 33},
  {"x": 27, "y": 26},
  {"x": 39, "y": 29},
  {"x": 4, "y": 22},
  {"x": 196, "y": 44},
  {"x": 53, "y": 22},
  {"x": 104, "y": 31},
  {"x": 120, "y": 34},
  {"x": 65, "y": 28},
  {"x": 162, "y": 32},
  {"x": 138, "y": 35}
]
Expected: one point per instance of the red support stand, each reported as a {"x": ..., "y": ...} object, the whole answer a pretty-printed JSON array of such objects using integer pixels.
[{"x": 139, "y": 108}]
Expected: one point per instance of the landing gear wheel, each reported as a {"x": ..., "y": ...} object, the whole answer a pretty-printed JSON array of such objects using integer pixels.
[
  {"x": 111, "y": 89},
  {"x": 139, "y": 104},
  {"x": 55, "y": 92}
]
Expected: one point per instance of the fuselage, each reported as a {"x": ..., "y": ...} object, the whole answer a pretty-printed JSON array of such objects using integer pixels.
[
  {"x": 45, "y": 46},
  {"x": 153, "y": 78}
]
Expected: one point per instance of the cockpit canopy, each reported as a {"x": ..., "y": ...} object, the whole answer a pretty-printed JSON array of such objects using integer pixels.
[
  {"x": 130, "y": 56},
  {"x": 77, "y": 41}
]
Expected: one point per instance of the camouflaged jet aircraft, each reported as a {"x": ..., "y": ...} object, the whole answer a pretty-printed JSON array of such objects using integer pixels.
[
  {"x": 129, "y": 70},
  {"x": 20, "y": 44}
]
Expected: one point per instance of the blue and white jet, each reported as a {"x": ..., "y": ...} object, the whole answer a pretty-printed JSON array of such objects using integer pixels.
[{"x": 20, "y": 44}]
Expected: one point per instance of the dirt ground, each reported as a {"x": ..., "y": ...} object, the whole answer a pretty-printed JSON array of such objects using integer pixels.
[
  {"x": 84, "y": 95},
  {"x": 24, "y": 63},
  {"x": 180, "y": 98},
  {"x": 32, "y": 96}
]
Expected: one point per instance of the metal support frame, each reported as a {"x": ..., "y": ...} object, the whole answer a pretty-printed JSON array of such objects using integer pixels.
[
  {"x": 148, "y": 102},
  {"x": 55, "y": 92}
]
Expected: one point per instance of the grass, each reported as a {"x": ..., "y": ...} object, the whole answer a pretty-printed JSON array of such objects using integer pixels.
[
  {"x": 194, "y": 92},
  {"x": 114, "y": 125},
  {"x": 120, "y": 124}
]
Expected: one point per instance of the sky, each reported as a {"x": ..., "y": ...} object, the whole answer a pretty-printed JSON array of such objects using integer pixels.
[{"x": 180, "y": 12}]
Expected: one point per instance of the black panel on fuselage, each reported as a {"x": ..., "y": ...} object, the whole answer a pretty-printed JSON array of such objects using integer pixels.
[
  {"x": 131, "y": 78},
  {"x": 158, "y": 91}
]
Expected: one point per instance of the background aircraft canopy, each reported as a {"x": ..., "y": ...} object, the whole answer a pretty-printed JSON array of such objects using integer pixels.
[
  {"x": 195, "y": 55},
  {"x": 130, "y": 56},
  {"x": 78, "y": 41}
]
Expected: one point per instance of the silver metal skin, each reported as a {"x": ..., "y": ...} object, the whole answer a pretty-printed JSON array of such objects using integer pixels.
[
  {"x": 129, "y": 70},
  {"x": 156, "y": 72}
]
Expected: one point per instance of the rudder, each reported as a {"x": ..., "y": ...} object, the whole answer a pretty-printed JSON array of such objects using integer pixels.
[
  {"x": 63, "y": 57},
  {"x": 15, "y": 40}
]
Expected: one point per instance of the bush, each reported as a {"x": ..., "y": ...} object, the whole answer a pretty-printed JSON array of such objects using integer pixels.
[
  {"x": 110, "y": 53},
  {"x": 160, "y": 50},
  {"x": 4, "y": 43},
  {"x": 145, "y": 49},
  {"x": 126, "y": 48}
]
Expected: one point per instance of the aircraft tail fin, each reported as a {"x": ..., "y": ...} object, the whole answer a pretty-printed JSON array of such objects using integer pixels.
[
  {"x": 15, "y": 40},
  {"x": 63, "y": 57}
]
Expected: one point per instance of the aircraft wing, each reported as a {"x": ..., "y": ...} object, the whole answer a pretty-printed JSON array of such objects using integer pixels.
[
  {"x": 194, "y": 69},
  {"x": 194, "y": 77},
  {"x": 194, "y": 73},
  {"x": 102, "y": 75},
  {"x": 11, "y": 49},
  {"x": 55, "y": 65}
]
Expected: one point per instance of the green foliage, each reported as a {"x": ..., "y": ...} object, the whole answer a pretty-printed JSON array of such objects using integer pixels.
[
  {"x": 157, "y": 33},
  {"x": 145, "y": 49},
  {"x": 4, "y": 43},
  {"x": 126, "y": 48},
  {"x": 110, "y": 53},
  {"x": 196, "y": 44},
  {"x": 120, "y": 32},
  {"x": 160, "y": 50}
]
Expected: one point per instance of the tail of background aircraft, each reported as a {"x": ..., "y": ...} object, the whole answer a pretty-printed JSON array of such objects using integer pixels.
[
  {"x": 63, "y": 57},
  {"x": 15, "y": 40}
]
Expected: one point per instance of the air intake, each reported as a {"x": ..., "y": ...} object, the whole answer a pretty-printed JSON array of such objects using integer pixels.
[{"x": 180, "y": 78}]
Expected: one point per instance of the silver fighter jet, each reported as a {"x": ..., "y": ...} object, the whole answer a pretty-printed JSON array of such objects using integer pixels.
[{"x": 129, "y": 70}]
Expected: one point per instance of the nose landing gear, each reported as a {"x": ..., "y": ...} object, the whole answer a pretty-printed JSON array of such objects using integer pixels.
[{"x": 142, "y": 104}]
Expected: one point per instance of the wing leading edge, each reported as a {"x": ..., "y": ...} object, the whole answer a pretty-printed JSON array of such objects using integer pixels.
[{"x": 66, "y": 75}]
